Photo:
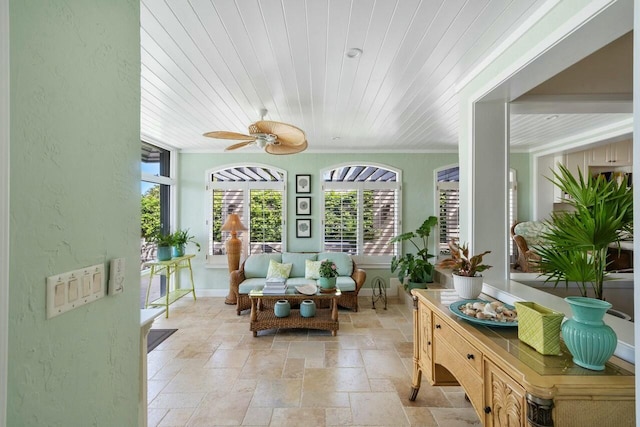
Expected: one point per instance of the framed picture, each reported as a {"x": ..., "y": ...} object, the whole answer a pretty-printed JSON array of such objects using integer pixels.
[
  {"x": 303, "y": 228},
  {"x": 303, "y": 205},
  {"x": 303, "y": 183}
]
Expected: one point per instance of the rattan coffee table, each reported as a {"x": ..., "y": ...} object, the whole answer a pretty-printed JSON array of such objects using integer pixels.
[{"x": 263, "y": 318}]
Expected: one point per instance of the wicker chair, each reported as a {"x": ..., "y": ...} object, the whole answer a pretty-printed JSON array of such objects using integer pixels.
[
  {"x": 347, "y": 299},
  {"x": 527, "y": 234}
]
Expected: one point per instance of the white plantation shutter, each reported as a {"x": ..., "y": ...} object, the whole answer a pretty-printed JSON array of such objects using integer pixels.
[
  {"x": 380, "y": 221},
  {"x": 513, "y": 209},
  {"x": 341, "y": 221},
  {"x": 257, "y": 195},
  {"x": 361, "y": 210},
  {"x": 224, "y": 203},
  {"x": 265, "y": 225},
  {"x": 449, "y": 214}
]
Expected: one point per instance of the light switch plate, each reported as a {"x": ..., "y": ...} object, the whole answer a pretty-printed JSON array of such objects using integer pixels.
[
  {"x": 116, "y": 276},
  {"x": 72, "y": 289}
]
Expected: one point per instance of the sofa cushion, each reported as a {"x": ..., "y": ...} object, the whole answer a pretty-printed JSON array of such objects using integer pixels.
[
  {"x": 250, "y": 284},
  {"x": 257, "y": 265},
  {"x": 532, "y": 232},
  {"x": 312, "y": 269},
  {"x": 278, "y": 270},
  {"x": 342, "y": 261},
  {"x": 345, "y": 283},
  {"x": 297, "y": 259}
]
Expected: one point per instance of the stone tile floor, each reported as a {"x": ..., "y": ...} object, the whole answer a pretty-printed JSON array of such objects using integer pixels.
[{"x": 213, "y": 372}]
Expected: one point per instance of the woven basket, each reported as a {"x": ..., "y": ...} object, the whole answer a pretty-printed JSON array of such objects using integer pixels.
[{"x": 539, "y": 327}]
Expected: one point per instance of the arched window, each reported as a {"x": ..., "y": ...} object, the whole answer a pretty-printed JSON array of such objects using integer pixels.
[
  {"x": 257, "y": 194},
  {"x": 361, "y": 209}
]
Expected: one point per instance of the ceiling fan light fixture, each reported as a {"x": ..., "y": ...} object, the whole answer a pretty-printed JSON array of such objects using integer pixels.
[
  {"x": 261, "y": 142},
  {"x": 353, "y": 53}
]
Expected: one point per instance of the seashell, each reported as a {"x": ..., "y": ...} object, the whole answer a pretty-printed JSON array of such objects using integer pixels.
[
  {"x": 478, "y": 305},
  {"x": 489, "y": 310},
  {"x": 480, "y": 315},
  {"x": 470, "y": 312}
]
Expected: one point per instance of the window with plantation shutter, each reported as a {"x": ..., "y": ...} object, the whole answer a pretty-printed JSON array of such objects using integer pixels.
[
  {"x": 257, "y": 195},
  {"x": 361, "y": 210},
  {"x": 448, "y": 207},
  {"x": 513, "y": 209}
]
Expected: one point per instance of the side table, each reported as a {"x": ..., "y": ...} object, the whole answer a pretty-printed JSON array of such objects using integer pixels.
[{"x": 168, "y": 268}]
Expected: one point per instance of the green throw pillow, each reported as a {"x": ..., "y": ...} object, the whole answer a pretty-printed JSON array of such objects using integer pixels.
[
  {"x": 277, "y": 270},
  {"x": 312, "y": 269}
]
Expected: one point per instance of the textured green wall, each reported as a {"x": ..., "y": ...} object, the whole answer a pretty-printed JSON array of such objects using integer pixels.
[
  {"x": 75, "y": 201},
  {"x": 417, "y": 195}
]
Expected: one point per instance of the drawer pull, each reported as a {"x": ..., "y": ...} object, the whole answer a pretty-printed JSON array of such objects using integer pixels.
[
  {"x": 438, "y": 326},
  {"x": 470, "y": 356},
  {"x": 428, "y": 342},
  {"x": 487, "y": 409}
]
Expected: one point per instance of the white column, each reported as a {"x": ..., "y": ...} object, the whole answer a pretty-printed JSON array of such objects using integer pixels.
[{"x": 489, "y": 182}]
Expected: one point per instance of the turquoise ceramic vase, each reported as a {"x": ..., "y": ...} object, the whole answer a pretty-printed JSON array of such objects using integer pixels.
[
  {"x": 307, "y": 308},
  {"x": 177, "y": 251},
  {"x": 589, "y": 340},
  {"x": 282, "y": 308},
  {"x": 327, "y": 282},
  {"x": 164, "y": 253}
]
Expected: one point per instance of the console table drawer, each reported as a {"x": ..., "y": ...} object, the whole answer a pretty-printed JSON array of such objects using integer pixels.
[
  {"x": 471, "y": 355},
  {"x": 457, "y": 365}
]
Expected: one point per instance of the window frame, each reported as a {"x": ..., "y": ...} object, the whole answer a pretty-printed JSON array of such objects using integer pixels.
[
  {"x": 364, "y": 260},
  {"x": 170, "y": 181},
  {"x": 246, "y": 187}
]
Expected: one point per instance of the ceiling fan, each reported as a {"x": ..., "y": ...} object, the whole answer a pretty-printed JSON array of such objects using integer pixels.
[{"x": 273, "y": 137}]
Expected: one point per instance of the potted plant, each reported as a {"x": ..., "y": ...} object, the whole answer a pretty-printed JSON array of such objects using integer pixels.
[
  {"x": 466, "y": 280},
  {"x": 328, "y": 274},
  {"x": 180, "y": 239},
  {"x": 164, "y": 242},
  {"x": 416, "y": 268},
  {"x": 577, "y": 242}
]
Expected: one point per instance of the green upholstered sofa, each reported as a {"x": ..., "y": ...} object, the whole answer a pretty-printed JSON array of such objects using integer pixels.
[{"x": 253, "y": 272}]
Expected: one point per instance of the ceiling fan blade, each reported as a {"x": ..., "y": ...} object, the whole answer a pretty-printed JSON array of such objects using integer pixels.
[
  {"x": 285, "y": 148},
  {"x": 221, "y": 134},
  {"x": 287, "y": 134},
  {"x": 238, "y": 145}
]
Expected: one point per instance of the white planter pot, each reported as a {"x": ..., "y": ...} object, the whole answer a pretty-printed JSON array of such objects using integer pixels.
[{"x": 467, "y": 287}]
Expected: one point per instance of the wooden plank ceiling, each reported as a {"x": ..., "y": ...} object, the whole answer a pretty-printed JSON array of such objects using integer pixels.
[{"x": 213, "y": 64}]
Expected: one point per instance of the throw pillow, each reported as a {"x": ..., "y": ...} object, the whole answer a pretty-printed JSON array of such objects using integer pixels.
[
  {"x": 312, "y": 269},
  {"x": 278, "y": 270}
]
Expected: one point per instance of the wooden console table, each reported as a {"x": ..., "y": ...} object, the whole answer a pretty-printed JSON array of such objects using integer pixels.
[
  {"x": 509, "y": 383},
  {"x": 168, "y": 268},
  {"x": 263, "y": 318}
]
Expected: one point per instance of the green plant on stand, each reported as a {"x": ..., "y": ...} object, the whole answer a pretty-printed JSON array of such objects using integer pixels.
[
  {"x": 577, "y": 242},
  {"x": 416, "y": 268},
  {"x": 164, "y": 242},
  {"x": 180, "y": 239}
]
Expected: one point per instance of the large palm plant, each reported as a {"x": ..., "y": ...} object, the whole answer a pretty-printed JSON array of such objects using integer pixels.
[{"x": 578, "y": 241}]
